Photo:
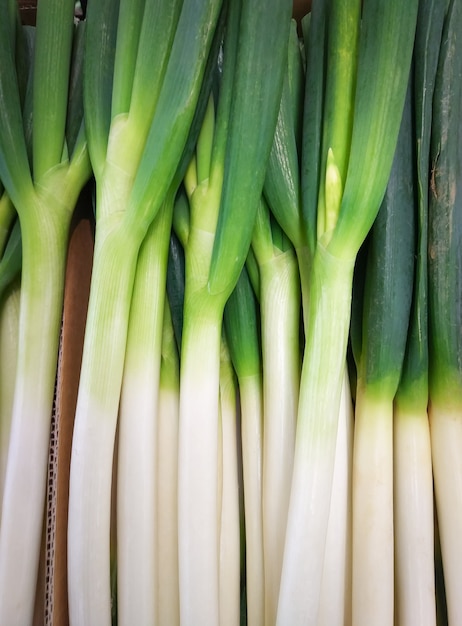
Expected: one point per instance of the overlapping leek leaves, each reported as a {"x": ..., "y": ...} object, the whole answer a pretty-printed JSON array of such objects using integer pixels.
[
  {"x": 239, "y": 169},
  {"x": 133, "y": 113},
  {"x": 224, "y": 184}
]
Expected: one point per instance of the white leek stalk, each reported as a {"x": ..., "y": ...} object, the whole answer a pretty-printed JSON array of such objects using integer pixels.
[
  {"x": 335, "y": 599},
  {"x": 168, "y": 602},
  {"x": 228, "y": 502}
]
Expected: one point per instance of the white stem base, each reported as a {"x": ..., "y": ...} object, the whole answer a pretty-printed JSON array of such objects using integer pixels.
[
  {"x": 136, "y": 498},
  {"x": 373, "y": 575},
  {"x": 446, "y": 439},
  {"x": 335, "y": 601},
  {"x": 252, "y": 444},
  {"x": 414, "y": 536},
  {"x": 230, "y": 552},
  {"x": 198, "y": 538},
  {"x": 168, "y": 608}
]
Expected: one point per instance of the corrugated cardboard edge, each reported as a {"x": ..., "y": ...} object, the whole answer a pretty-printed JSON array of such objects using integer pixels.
[{"x": 77, "y": 288}]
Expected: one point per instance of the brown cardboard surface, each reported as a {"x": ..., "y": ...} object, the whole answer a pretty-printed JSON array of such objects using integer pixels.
[
  {"x": 28, "y": 9},
  {"x": 77, "y": 287}
]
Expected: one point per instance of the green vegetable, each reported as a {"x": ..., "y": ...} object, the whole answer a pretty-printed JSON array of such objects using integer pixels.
[
  {"x": 384, "y": 56},
  {"x": 444, "y": 304},
  {"x": 414, "y": 526},
  {"x": 387, "y": 296},
  {"x": 44, "y": 194},
  {"x": 168, "y": 608},
  {"x": 134, "y": 160},
  {"x": 9, "y": 327},
  {"x": 242, "y": 326},
  {"x": 280, "y": 339},
  {"x": 224, "y": 180}
]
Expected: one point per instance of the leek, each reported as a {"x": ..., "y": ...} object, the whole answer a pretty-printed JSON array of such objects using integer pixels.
[
  {"x": 10, "y": 288},
  {"x": 9, "y": 326},
  {"x": 168, "y": 604},
  {"x": 134, "y": 161},
  {"x": 44, "y": 194},
  {"x": 444, "y": 271},
  {"x": 137, "y": 561},
  {"x": 228, "y": 498},
  {"x": 414, "y": 528},
  {"x": 224, "y": 184},
  {"x": 335, "y": 594},
  {"x": 280, "y": 336},
  {"x": 241, "y": 319},
  {"x": 385, "y": 320},
  {"x": 385, "y": 49},
  {"x": 284, "y": 194}
]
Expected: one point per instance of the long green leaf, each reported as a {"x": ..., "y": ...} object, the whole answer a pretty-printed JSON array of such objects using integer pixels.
[
  {"x": 174, "y": 112},
  {"x": 130, "y": 19},
  {"x": 264, "y": 34},
  {"x": 314, "y": 33},
  {"x": 14, "y": 164},
  {"x": 99, "y": 60},
  {"x": 53, "y": 47},
  {"x": 386, "y": 45},
  {"x": 445, "y": 302}
]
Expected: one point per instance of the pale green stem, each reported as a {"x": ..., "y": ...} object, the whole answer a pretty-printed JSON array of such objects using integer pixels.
[
  {"x": 137, "y": 560},
  {"x": 44, "y": 241},
  {"x": 320, "y": 390},
  {"x": 230, "y": 552},
  {"x": 251, "y": 398},
  {"x": 335, "y": 603},
  {"x": 198, "y": 428},
  {"x": 280, "y": 311},
  {"x": 168, "y": 607},
  {"x": 304, "y": 260},
  {"x": 9, "y": 328},
  {"x": 95, "y": 423},
  {"x": 7, "y": 214}
]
